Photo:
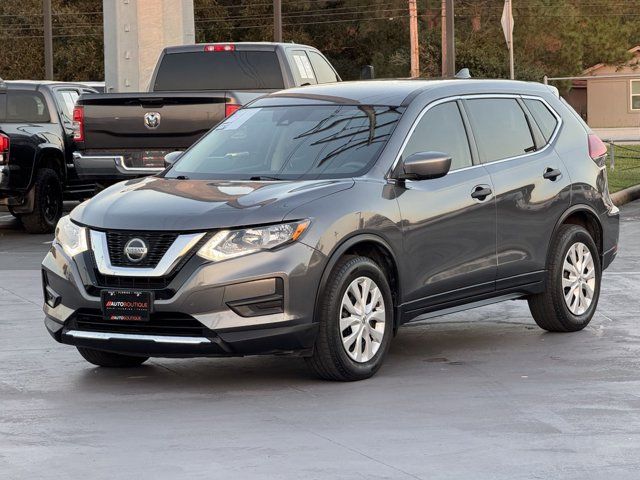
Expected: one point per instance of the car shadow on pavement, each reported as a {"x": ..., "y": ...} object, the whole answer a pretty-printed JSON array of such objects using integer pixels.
[{"x": 424, "y": 348}]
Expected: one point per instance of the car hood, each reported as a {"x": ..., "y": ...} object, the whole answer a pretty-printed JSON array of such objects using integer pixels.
[{"x": 155, "y": 203}]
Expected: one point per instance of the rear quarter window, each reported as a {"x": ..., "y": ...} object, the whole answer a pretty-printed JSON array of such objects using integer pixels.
[
  {"x": 546, "y": 121},
  {"x": 237, "y": 70}
]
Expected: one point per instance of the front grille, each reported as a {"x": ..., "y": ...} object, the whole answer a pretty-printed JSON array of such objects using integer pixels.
[
  {"x": 161, "y": 323},
  {"x": 157, "y": 245},
  {"x": 157, "y": 284}
]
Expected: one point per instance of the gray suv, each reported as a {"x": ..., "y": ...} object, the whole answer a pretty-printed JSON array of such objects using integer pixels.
[{"x": 317, "y": 220}]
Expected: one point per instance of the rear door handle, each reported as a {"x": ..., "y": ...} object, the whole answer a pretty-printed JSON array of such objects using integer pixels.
[
  {"x": 551, "y": 174},
  {"x": 481, "y": 193}
]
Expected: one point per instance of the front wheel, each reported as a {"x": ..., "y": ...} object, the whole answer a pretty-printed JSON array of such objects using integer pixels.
[
  {"x": 355, "y": 322},
  {"x": 108, "y": 359},
  {"x": 572, "y": 283}
]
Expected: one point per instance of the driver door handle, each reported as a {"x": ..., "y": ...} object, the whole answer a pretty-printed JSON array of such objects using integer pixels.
[
  {"x": 481, "y": 193},
  {"x": 551, "y": 174}
]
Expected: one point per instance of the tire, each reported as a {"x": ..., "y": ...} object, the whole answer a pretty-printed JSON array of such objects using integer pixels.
[
  {"x": 110, "y": 360},
  {"x": 330, "y": 359},
  {"x": 550, "y": 310},
  {"x": 47, "y": 208},
  {"x": 14, "y": 213}
]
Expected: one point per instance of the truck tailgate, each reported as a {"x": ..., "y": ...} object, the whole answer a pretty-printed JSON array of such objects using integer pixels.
[{"x": 174, "y": 120}]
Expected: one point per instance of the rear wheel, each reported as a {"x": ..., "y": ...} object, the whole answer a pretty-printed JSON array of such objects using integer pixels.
[
  {"x": 573, "y": 282},
  {"x": 355, "y": 322},
  {"x": 47, "y": 208},
  {"x": 108, "y": 359}
]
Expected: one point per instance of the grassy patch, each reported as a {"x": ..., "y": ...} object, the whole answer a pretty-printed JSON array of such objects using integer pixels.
[{"x": 627, "y": 167}]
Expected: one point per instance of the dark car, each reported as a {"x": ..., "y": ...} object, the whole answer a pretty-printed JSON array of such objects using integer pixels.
[
  {"x": 36, "y": 171},
  {"x": 193, "y": 87},
  {"x": 317, "y": 221}
]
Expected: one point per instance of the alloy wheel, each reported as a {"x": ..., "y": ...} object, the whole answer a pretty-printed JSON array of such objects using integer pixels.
[
  {"x": 578, "y": 278},
  {"x": 362, "y": 319}
]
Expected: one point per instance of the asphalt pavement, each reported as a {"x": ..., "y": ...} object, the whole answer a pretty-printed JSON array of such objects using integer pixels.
[{"x": 482, "y": 394}]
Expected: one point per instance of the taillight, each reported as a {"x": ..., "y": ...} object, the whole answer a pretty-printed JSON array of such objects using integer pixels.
[
  {"x": 4, "y": 149},
  {"x": 231, "y": 108},
  {"x": 78, "y": 124},
  {"x": 597, "y": 148},
  {"x": 221, "y": 47}
]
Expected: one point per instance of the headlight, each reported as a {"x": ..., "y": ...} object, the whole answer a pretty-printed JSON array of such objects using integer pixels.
[
  {"x": 71, "y": 237},
  {"x": 235, "y": 243}
]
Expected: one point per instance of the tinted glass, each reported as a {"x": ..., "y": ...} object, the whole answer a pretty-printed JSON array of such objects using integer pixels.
[
  {"x": 324, "y": 72},
  {"x": 301, "y": 67},
  {"x": 546, "y": 121},
  {"x": 238, "y": 70},
  {"x": 441, "y": 130},
  {"x": 293, "y": 142},
  {"x": 67, "y": 100},
  {"x": 23, "y": 106},
  {"x": 500, "y": 128}
]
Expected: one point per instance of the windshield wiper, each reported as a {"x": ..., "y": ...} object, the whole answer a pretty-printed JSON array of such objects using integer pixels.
[
  {"x": 263, "y": 177},
  {"x": 182, "y": 177}
]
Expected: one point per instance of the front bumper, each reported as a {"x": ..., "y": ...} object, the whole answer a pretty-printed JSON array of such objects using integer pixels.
[{"x": 257, "y": 304}]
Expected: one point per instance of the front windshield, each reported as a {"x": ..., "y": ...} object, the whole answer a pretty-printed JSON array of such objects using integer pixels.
[{"x": 290, "y": 142}]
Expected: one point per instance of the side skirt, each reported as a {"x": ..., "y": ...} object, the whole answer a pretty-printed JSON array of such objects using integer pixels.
[{"x": 509, "y": 291}]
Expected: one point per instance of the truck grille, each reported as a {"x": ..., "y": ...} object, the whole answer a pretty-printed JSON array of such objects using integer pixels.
[{"x": 157, "y": 245}]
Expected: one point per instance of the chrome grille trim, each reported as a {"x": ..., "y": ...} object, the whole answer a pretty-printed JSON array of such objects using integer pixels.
[{"x": 180, "y": 247}]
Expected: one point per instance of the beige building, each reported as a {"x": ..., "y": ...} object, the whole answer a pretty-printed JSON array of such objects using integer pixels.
[{"x": 609, "y": 103}]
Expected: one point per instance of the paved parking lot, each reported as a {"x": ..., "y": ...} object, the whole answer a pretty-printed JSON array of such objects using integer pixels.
[{"x": 483, "y": 394}]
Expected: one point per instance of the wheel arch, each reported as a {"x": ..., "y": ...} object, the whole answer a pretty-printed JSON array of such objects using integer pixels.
[
  {"x": 586, "y": 217},
  {"x": 367, "y": 245},
  {"x": 50, "y": 156}
]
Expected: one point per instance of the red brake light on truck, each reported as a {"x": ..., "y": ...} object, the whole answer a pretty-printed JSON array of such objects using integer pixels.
[
  {"x": 78, "y": 124},
  {"x": 4, "y": 149},
  {"x": 231, "y": 108},
  {"x": 597, "y": 148},
  {"x": 225, "y": 47}
]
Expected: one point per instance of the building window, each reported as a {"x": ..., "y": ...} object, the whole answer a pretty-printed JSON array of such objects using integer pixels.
[{"x": 635, "y": 94}]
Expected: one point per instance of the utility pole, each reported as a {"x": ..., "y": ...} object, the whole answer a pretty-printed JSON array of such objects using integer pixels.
[
  {"x": 413, "y": 36},
  {"x": 277, "y": 20},
  {"x": 448, "y": 39},
  {"x": 48, "y": 40}
]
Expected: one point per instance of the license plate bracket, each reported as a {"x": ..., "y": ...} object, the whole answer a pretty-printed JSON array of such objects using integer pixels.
[{"x": 126, "y": 305}]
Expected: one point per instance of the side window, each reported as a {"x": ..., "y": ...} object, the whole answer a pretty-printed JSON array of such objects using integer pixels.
[
  {"x": 26, "y": 106},
  {"x": 546, "y": 121},
  {"x": 500, "y": 128},
  {"x": 323, "y": 70},
  {"x": 66, "y": 100},
  {"x": 441, "y": 130},
  {"x": 301, "y": 67}
]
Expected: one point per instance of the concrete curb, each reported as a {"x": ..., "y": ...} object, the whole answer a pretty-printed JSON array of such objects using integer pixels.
[{"x": 625, "y": 196}]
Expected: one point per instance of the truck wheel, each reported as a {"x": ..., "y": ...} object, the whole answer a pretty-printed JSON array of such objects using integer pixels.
[
  {"x": 355, "y": 322},
  {"x": 572, "y": 282},
  {"x": 14, "y": 213},
  {"x": 47, "y": 208},
  {"x": 108, "y": 359}
]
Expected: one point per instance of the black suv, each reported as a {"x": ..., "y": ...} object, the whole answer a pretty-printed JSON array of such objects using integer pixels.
[{"x": 318, "y": 220}]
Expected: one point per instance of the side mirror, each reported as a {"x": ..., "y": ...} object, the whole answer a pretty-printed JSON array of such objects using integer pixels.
[
  {"x": 367, "y": 72},
  {"x": 426, "y": 165},
  {"x": 171, "y": 158}
]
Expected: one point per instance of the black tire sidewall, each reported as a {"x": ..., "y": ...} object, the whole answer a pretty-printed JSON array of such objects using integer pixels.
[
  {"x": 577, "y": 234},
  {"x": 359, "y": 267},
  {"x": 49, "y": 177}
]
